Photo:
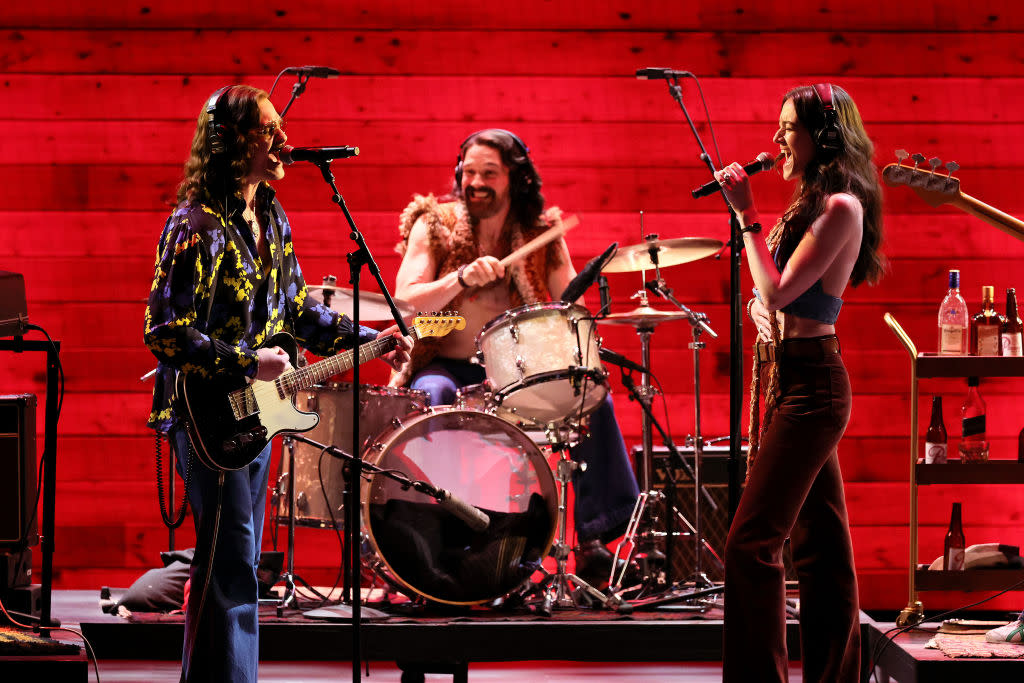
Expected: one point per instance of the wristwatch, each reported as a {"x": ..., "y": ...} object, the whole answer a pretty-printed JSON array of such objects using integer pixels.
[{"x": 753, "y": 227}]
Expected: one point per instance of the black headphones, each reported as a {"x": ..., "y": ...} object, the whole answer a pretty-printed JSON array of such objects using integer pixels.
[
  {"x": 829, "y": 138},
  {"x": 527, "y": 178},
  {"x": 215, "y": 132}
]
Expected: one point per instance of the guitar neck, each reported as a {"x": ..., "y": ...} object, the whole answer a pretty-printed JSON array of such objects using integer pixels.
[
  {"x": 989, "y": 214},
  {"x": 291, "y": 382}
]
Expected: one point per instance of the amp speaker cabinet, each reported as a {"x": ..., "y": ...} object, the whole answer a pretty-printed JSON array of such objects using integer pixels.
[
  {"x": 715, "y": 477},
  {"x": 18, "y": 523}
]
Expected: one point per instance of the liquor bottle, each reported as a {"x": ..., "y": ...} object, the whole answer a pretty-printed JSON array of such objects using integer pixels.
[
  {"x": 986, "y": 326},
  {"x": 953, "y": 323},
  {"x": 955, "y": 546},
  {"x": 973, "y": 445},
  {"x": 1010, "y": 331},
  {"x": 935, "y": 438}
]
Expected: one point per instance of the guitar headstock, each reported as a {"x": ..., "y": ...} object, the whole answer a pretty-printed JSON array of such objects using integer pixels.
[
  {"x": 438, "y": 324},
  {"x": 933, "y": 187}
]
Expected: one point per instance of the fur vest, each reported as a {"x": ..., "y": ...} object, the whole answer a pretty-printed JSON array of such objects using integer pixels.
[{"x": 453, "y": 243}]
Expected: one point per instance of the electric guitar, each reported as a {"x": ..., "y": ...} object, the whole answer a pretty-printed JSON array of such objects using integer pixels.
[
  {"x": 230, "y": 421},
  {"x": 937, "y": 188}
]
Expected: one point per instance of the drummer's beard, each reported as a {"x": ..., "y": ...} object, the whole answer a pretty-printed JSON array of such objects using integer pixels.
[{"x": 483, "y": 203}]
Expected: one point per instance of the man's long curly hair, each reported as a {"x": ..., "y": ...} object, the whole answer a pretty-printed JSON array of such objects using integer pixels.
[
  {"x": 850, "y": 170},
  {"x": 213, "y": 178},
  {"x": 524, "y": 180}
]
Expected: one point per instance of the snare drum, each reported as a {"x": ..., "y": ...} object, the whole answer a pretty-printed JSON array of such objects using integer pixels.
[
  {"x": 542, "y": 361},
  {"x": 380, "y": 408},
  {"x": 422, "y": 549}
]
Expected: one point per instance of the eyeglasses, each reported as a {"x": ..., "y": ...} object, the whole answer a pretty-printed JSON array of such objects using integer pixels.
[{"x": 269, "y": 130}]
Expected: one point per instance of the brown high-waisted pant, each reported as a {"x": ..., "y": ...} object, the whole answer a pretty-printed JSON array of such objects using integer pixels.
[{"x": 795, "y": 490}]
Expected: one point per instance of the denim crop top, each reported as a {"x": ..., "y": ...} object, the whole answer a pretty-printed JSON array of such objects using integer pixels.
[{"x": 814, "y": 303}]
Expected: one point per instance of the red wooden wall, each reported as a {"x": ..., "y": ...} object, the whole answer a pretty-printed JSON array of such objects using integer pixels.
[{"x": 99, "y": 103}]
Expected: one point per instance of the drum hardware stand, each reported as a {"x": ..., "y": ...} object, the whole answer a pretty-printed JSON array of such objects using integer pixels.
[
  {"x": 289, "y": 597},
  {"x": 563, "y": 590}
]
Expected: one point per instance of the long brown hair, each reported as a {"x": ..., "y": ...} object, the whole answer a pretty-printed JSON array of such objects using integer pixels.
[
  {"x": 524, "y": 180},
  {"x": 851, "y": 170},
  {"x": 212, "y": 178}
]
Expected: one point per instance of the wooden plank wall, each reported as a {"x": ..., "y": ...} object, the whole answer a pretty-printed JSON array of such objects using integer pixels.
[{"x": 100, "y": 99}]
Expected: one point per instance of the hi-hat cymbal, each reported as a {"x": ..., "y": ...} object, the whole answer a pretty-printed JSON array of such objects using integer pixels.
[
  {"x": 372, "y": 306},
  {"x": 643, "y": 316},
  {"x": 670, "y": 253}
]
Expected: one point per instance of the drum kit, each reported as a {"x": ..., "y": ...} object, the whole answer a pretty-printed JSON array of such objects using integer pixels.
[{"x": 544, "y": 378}]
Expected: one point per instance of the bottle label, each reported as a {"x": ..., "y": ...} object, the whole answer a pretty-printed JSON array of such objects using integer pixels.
[
  {"x": 1012, "y": 344},
  {"x": 934, "y": 453},
  {"x": 951, "y": 339},
  {"x": 973, "y": 426},
  {"x": 988, "y": 340},
  {"x": 955, "y": 559}
]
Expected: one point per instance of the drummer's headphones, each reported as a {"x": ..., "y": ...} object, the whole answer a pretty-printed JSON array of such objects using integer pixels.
[
  {"x": 525, "y": 169},
  {"x": 215, "y": 132},
  {"x": 828, "y": 138}
]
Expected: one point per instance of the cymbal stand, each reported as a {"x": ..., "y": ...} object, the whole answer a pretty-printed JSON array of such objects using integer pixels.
[{"x": 563, "y": 590}]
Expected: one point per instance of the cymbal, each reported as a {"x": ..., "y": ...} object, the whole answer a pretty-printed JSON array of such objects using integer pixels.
[
  {"x": 643, "y": 316},
  {"x": 670, "y": 253},
  {"x": 372, "y": 306}
]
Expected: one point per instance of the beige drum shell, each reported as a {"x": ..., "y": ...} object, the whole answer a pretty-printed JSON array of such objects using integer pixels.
[
  {"x": 380, "y": 408},
  {"x": 528, "y": 353},
  {"x": 423, "y": 550}
]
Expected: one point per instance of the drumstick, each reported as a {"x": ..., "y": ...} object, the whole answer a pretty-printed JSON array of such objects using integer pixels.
[{"x": 549, "y": 235}]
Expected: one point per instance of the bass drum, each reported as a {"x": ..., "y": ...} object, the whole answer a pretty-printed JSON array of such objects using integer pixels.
[
  {"x": 425, "y": 551},
  {"x": 380, "y": 408}
]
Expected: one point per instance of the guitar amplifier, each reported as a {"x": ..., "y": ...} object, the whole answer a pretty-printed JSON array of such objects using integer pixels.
[
  {"x": 13, "y": 308},
  {"x": 18, "y": 523},
  {"x": 714, "y": 475}
]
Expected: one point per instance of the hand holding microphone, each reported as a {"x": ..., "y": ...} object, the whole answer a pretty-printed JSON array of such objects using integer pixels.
[{"x": 734, "y": 181}]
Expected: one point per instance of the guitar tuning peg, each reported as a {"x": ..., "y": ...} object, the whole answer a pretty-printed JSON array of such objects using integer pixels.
[
  {"x": 901, "y": 154},
  {"x": 918, "y": 158},
  {"x": 953, "y": 167},
  {"x": 934, "y": 162}
]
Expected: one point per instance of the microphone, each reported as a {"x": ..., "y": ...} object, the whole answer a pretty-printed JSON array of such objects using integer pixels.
[
  {"x": 609, "y": 356},
  {"x": 763, "y": 162},
  {"x": 313, "y": 71},
  {"x": 586, "y": 277},
  {"x": 289, "y": 155},
  {"x": 655, "y": 72},
  {"x": 605, "y": 293},
  {"x": 475, "y": 518}
]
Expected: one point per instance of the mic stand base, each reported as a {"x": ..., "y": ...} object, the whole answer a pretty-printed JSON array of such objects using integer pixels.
[{"x": 344, "y": 613}]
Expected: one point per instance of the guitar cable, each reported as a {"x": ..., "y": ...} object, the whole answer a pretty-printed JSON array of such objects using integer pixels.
[{"x": 172, "y": 519}]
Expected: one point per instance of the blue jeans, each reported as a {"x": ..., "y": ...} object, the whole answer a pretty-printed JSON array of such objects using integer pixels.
[
  {"x": 222, "y": 643},
  {"x": 605, "y": 494}
]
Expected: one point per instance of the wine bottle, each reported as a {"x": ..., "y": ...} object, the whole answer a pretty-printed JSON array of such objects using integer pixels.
[
  {"x": 986, "y": 326},
  {"x": 935, "y": 440},
  {"x": 955, "y": 546},
  {"x": 953, "y": 323},
  {"x": 973, "y": 444},
  {"x": 1010, "y": 331}
]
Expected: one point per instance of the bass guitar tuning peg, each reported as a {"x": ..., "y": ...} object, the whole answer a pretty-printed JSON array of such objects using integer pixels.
[
  {"x": 953, "y": 167},
  {"x": 934, "y": 162},
  {"x": 901, "y": 154},
  {"x": 918, "y": 158}
]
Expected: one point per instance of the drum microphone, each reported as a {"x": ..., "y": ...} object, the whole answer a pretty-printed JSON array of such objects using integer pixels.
[
  {"x": 609, "y": 356},
  {"x": 653, "y": 72},
  {"x": 289, "y": 155},
  {"x": 475, "y": 518},
  {"x": 586, "y": 277},
  {"x": 763, "y": 162}
]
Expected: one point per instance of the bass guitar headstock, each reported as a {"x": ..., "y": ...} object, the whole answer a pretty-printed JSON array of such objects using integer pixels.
[{"x": 933, "y": 187}]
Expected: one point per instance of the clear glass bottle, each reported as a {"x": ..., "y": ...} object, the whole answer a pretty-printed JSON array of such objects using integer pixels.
[
  {"x": 935, "y": 440},
  {"x": 973, "y": 442},
  {"x": 1010, "y": 331},
  {"x": 953, "y": 320},
  {"x": 986, "y": 326},
  {"x": 954, "y": 549}
]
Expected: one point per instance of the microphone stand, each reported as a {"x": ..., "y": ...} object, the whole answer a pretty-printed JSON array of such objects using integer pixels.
[
  {"x": 297, "y": 90},
  {"x": 735, "y": 312},
  {"x": 356, "y": 260}
]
